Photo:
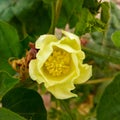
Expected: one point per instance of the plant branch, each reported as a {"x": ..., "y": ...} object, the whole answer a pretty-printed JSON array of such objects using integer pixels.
[
  {"x": 97, "y": 81},
  {"x": 102, "y": 52},
  {"x": 52, "y": 27},
  {"x": 56, "y": 7}
]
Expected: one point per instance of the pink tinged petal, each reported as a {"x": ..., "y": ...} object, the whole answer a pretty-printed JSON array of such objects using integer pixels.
[
  {"x": 85, "y": 73},
  {"x": 44, "y": 40},
  {"x": 33, "y": 71},
  {"x": 72, "y": 36}
]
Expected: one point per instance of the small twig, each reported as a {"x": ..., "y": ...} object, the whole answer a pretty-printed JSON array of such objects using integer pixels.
[{"x": 97, "y": 81}]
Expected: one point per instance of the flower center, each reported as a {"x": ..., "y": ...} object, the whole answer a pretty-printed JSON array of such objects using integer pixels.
[{"x": 58, "y": 63}]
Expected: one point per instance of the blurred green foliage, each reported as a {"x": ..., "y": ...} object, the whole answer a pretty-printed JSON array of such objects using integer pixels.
[{"x": 22, "y": 21}]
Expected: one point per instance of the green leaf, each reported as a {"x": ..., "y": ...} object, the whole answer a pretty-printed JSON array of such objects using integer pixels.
[
  {"x": 69, "y": 13},
  {"x": 9, "y": 45},
  {"x": 20, "y": 13},
  {"x": 82, "y": 24},
  {"x": 116, "y": 38},
  {"x": 6, "y": 114},
  {"x": 9, "y": 41},
  {"x": 7, "y": 82},
  {"x": 72, "y": 6},
  {"x": 26, "y": 10},
  {"x": 92, "y": 5},
  {"x": 21, "y": 5},
  {"x": 26, "y": 102},
  {"x": 88, "y": 23},
  {"x": 5, "y": 10},
  {"x": 103, "y": 52},
  {"x": 74, "y": 11},
  {"x": 62, "y": 19},
  {"x": 115, "y": 9},
  {"x": 109, "y": 106},
  {"x": 97, "y": 25},
  {"x": 105, "y": 12}
]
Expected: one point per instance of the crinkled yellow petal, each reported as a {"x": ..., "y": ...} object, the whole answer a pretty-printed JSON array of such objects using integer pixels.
[
  {"x": 75, "y": 62},
  {"x": 85, "y": 73},
  {"x": 71, "y": 50},
  {"x": 81, "y": 55},
  {"x": 63, "y": 90},
  {"x": 72, "y": 36},
  {"x": 34, "y": 73},
  {"x": 44, "y": 40},
  {"x": 70, "y": 42}
]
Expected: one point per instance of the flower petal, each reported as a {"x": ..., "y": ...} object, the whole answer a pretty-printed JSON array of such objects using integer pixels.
[
  {"x": 51, "y": 81},
  {"x": 60, "y": 92},
  {"x": 33, "y": 71},
  {"x": 70, "y": 42},
  {"x": 63, "y": 90},
  {"x": 85, "y": 73},
  {"x": 42, "y": 56},
  {"x": 70, "y": 50},
  {"x": 72, "y": 36},
  {"x": 45, "y": 40}
]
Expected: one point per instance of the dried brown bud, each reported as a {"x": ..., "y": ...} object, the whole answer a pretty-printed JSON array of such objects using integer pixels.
[{"x": 22, "y": 65}]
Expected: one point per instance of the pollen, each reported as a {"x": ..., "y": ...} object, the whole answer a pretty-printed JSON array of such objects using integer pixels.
[{"x": 58, "y": 63}]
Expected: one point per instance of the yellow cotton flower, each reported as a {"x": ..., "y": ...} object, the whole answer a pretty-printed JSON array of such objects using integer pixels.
[{"x": 59, "y": 64}]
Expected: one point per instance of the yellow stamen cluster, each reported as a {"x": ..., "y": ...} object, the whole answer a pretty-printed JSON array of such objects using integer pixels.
[{"x": 58, "y": 63}]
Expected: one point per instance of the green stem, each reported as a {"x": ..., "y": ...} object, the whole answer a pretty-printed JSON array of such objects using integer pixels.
[
  {"x": 56, "y": 7},
  {"x": 99, "y": 80},
  {"x": 102, "y": 52},
  {"x": 52, "y": 27}
]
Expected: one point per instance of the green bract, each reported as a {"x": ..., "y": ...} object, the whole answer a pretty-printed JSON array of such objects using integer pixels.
[{"x": 59, "y": 64}]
